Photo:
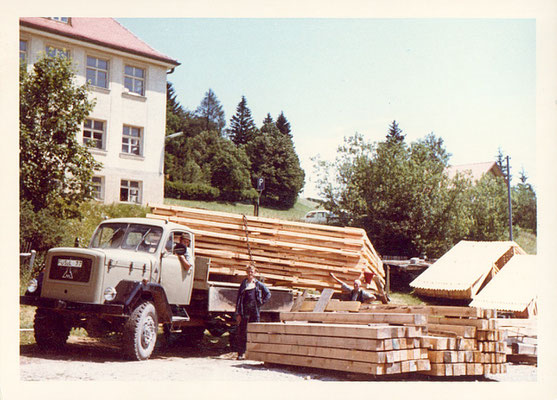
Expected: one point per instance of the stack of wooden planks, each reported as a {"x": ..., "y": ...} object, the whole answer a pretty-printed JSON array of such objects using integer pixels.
[
  {"x": 522, "y": 338},
  {"x": 461, "y": 340},
  {"x": 286, "y": 253},
  {"x": 376, "y": 344}
]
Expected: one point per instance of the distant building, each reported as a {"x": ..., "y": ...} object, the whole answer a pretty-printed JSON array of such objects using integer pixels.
[
  {"x": 128, "y": 80},
  {"x": 476, "y": 171}
]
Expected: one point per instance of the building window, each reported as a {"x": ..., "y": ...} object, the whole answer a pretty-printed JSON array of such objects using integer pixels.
[
  {"x": 23, "y": 51},
  {"x": 131, "y": 140},
  {"x": 98, "y": 188},
  {"x": 93, "y": 133},
  {"x": 130, "y": 191},
  {"x": 55, "y": 51},
  {"x": 65, "y": 20},
  {"x": 134, "y": 79},
  {"x": 97, "y": 72}
]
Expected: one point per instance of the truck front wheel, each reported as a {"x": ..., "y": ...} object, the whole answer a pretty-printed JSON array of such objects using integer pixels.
[
  {"x": 51, "y": 330},
  {"x": 140, "y": 332}
]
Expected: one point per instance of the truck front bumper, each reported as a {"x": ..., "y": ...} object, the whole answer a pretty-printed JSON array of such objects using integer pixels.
[{"x": 72, "y": 306}]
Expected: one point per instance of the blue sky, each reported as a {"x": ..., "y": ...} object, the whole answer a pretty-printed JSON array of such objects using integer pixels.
[{"x": 471, "y": 82}]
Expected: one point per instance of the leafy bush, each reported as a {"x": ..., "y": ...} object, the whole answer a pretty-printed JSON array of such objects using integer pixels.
[{"x": 190, "y": 191}]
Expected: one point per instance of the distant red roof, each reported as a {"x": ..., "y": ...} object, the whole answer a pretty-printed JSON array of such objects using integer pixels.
[
  {"x": 100, "y": 31},
  {"x": 476, "y": 171}
]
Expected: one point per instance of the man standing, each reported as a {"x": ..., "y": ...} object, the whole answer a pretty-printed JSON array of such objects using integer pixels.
[{"x": 252, "y": 294}]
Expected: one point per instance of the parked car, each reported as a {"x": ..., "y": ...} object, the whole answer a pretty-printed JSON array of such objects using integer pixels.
[{"x": 320, "y": 217}]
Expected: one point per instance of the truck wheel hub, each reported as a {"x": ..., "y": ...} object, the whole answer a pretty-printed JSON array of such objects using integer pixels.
[{"x": 148, "y": 332}]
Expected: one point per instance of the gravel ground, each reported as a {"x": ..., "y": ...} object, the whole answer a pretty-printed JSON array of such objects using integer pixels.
[{"x": 85, "y": 359}]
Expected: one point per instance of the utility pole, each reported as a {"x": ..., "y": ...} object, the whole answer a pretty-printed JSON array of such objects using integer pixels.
[{"x": 509, "y": 199}]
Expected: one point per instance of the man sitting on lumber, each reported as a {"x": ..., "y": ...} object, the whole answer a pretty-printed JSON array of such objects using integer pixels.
[{"x": 356, "y": 293}]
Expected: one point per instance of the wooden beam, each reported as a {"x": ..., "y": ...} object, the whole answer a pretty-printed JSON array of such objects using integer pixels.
[
  {"x": 356, "y": 318},
  {"x": 324, "y": 299}
]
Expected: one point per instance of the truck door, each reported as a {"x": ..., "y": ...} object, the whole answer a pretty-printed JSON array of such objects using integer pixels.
[{"x": 176, "y": 281}]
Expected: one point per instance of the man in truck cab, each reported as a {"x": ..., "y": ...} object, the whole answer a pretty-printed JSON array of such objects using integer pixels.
[{"x": 183, "y": 251}]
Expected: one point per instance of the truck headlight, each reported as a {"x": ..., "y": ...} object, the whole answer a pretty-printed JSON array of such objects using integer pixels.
[
  {"x": 33, "y": 285},
  {"x": 109, "y": 293}
]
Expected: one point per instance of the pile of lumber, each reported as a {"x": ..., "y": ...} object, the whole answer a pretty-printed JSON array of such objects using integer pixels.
[
  {"x": 381, "y": 339},
  {"x": 286, "y": 253},
  {"x": 522, "y": 338},
  {"x": 461, "y": 340},
  {"x": 376, "y": 344}
]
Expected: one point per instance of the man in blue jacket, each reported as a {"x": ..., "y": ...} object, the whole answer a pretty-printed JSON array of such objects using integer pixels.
[{"x": 252, "y": 294}]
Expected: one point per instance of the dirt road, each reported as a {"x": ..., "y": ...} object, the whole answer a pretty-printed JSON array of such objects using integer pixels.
[{"x": 87, "y": 360}]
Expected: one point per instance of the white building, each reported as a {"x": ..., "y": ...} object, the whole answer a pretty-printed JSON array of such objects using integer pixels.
[{"x": 128, "y": 80}]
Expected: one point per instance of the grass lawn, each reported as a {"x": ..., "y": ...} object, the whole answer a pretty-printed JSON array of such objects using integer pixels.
[
  {"x": 527, "y": 240},
  {"x": 297, "y": 212}
]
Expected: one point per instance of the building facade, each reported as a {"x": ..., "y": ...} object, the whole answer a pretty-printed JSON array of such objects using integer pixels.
[{"x": 126, "y": 130}]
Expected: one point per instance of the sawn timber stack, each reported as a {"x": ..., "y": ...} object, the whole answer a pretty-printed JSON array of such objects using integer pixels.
[{"x": 286, "y": 253}]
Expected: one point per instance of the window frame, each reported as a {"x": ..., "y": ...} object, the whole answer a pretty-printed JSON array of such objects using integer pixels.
[
  {"x": 100, "y": 185},
  {"x": 93, "y": 130},
  {"x": 128, "y": 186},
  {"x": 135, "y": 78},
  {"x": 58, "y": 48},
  {"x": 63, "y": 20},
  {"x": 131, "y": 138},
  {"x": 97, "y": 69},
  {"x": 26, "y": 52}
]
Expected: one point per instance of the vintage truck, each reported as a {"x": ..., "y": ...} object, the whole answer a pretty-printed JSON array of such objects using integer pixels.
[{"x": 127, "y": 282}]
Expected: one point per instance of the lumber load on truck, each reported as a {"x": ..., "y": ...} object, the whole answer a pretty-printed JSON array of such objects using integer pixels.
[{"x": 287, "y": 253}]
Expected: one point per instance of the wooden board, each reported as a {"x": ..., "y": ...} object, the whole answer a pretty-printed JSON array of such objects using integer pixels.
[
  {"x": 326, "y": 295},
  {"x": 356, "y": 318},
  {"x": 378, "y": 331},
  {"x": 338, "y": 342},
  {"x": 340, "y": 365}
]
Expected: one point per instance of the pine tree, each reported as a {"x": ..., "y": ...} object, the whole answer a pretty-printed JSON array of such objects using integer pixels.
[
  {"x": 268, "y": 124},
  {"x": 395, "y": 134},
  {"x": 210, "y": 110},
  {"x": 501, "y": 161},
  {"x": 283, "y": 125},
  {"x": 242, "y": 128}
]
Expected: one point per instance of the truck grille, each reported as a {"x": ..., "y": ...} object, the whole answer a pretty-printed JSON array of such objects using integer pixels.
[{"x": 70, "y": 268}]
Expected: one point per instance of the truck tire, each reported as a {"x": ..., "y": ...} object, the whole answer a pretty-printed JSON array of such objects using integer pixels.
[
  {"x": 51, "y": 331},
  {"x": 140, "y": 332}
]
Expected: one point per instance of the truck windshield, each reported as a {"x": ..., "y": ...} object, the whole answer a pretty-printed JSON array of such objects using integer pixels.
[{"x": 136, "y": 237}]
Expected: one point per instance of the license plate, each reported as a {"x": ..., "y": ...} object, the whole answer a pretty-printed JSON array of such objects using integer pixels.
[{"x": 64, "y": 263}]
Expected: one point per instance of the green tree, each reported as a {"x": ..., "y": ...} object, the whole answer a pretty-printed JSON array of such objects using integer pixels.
[
  {"x": 488, "y": 209},
  {"x": 395, "y": 134},
  {"x": 524, "y": 204},
  {"x": 211, "y": 112},
  {"x": 283, "y": 125},
  {"x": 212, "y": 160},
  {"x": 274, "y": 158},
  {"x": 399, "y": 194},
  {"x": 55, "y": 169},
  {"x": 501, "y": 160},
  {"x": 242, "y": 128}
]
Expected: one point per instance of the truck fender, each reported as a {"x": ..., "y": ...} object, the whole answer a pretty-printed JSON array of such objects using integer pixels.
[{"x": 131, "y": 293}]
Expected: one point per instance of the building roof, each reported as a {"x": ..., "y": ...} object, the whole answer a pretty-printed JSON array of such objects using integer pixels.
[
  {"x": 105, "y": 32},
  {"x": 476, "y": 170},
  {"x": 467, "y": 264},
  {"x": 513, "y": 288}
]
